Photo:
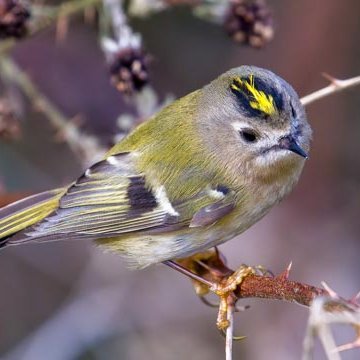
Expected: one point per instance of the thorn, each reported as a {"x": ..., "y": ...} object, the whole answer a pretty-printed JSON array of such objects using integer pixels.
[
  {"x": 331, "y": 79},
  {"x": 285, "y": 274},
  {"x": 331, "y": 292},
  {"x": 78, "y": 120},
  {"x": 355, "y": 299}
]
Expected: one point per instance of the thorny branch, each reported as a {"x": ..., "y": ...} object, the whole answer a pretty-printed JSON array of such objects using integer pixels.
[{"x": 261, "y": 284}]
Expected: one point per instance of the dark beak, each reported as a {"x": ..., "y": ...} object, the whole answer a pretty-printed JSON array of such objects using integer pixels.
[{"x": 289, "y": 143}]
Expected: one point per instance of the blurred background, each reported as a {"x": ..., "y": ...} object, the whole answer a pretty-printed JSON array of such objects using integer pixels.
[{"x": 70, "y": 300}]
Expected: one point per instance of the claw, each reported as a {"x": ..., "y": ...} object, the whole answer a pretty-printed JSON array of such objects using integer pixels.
[
  {"x": 208, "y": 302},
  {"x": 355, "y": 299},
  {"x": 235, "y": 338},
  {"x": 261, "y": 270}
]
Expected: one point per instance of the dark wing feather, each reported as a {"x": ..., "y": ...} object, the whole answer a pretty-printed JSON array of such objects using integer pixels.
[{"x": 112, "y": 198}]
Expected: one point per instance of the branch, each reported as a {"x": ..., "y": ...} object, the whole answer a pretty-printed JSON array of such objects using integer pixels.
[
  {"x": 335, "y": 86},
  {"x": 278, "y": 288},
  {"x": 84, "y": 146}
]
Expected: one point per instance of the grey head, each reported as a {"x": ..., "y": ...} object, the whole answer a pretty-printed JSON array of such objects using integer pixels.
[{"x": 258, "y": 114}]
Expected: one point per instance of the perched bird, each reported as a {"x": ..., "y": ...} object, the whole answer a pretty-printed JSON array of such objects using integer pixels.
[{"x": 198, "y": 173}]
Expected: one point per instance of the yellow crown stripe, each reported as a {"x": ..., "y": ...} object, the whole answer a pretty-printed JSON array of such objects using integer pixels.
[{"x": 259, "y": 100}]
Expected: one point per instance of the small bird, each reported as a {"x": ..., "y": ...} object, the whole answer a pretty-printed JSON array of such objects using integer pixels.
[{"x": 198, "y": 173}]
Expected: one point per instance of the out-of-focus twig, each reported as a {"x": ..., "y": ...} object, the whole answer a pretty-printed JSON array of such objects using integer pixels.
[
  {"x": 319, "y": 323},
  {"x": 335, "y": 86},
  {"x": 86, "y": 147}
]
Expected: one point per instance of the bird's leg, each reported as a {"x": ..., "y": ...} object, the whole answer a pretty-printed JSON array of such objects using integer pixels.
[
  {"x": 192, "y": 275},
  {"x": 210, "y": 274}
]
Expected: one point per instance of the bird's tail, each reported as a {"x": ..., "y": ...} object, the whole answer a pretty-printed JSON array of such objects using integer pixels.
[{"x": 22, "y": 214}]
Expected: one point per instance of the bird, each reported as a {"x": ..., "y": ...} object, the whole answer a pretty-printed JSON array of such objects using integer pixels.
[{"x": 193, "y": 176}]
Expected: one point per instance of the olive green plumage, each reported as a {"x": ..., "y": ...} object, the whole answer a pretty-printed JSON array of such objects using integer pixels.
[{"x": 196, "y": 174}]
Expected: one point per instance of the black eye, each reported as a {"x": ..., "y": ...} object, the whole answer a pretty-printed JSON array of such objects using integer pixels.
[{"x": 248, "y": 135}]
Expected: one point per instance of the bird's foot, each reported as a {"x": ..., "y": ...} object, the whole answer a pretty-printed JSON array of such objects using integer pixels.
[
  {"x": 212, "y": 275},
  {"x": 225, "y": 291}
]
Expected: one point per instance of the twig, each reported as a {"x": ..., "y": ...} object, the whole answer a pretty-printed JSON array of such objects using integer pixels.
[
  {"x": 84, "y": 146},
  {"x": 319, "y": 323},
  {"x": 229, "y": 331},
  {"x": 316, "y": 325},
  {"x": 335, "y": 86}
]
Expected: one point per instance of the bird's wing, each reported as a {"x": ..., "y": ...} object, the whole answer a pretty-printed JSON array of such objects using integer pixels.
[{"x": 112, "y": 198}]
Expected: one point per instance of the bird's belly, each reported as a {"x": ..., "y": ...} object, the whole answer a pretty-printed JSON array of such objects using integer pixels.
[{"x": 142, "y": 249}]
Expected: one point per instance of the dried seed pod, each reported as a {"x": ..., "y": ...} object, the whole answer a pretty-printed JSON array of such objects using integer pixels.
[
  {"x": 129, "y": 70},
  {"x": 13, "y": 19},
  {"x": 249, "y": 22}
]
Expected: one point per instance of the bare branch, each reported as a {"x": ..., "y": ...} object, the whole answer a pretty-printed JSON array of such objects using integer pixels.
[{"x": 335, "y": 86}]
